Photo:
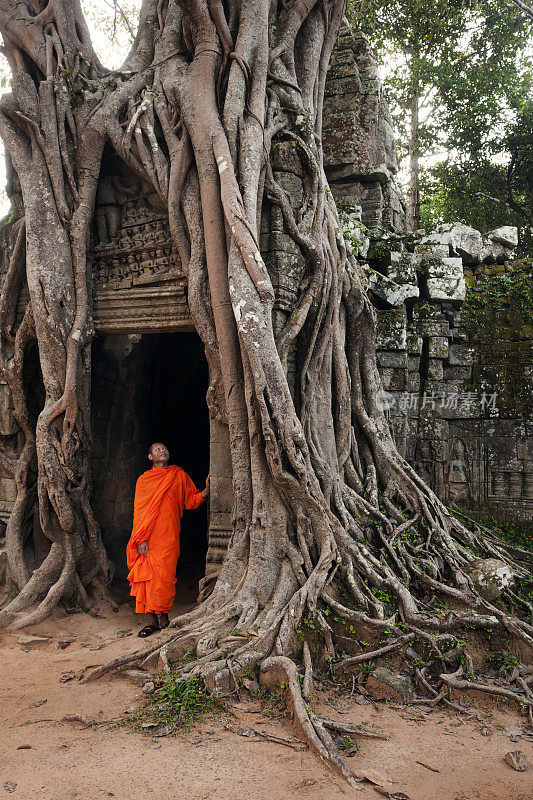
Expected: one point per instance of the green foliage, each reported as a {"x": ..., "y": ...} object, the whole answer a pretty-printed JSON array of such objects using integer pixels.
[
  {"x": 347, "y": 744},
  {"x": 366, "y": 668},
  {"x": 512, "y": 291},
  {"x": 190, "y": 655},
  {"x": 385, "y": 596},
  {"x": 184, "y": 701},
  {"x": 503, "y": 661},
  {"x": 466, "y": 64},
  {"x": 274, "y": 703},
  {"x": 112, "y": 27},
  {"x": 488, "y": 187},
  {"x": 513, "y": 531}
]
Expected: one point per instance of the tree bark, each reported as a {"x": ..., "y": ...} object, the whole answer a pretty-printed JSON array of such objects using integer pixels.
[{"x": 414, "y": 156}]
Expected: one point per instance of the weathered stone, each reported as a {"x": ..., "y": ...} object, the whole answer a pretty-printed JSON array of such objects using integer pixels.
[
  {"x": 461, "y": 374},
  {"x": 393, "y": 378},
  {"x": 460, "y": 355},
  {"x": 391, "y": 331},
  {"x": 359, "y": 145},
  {"x": 466, "y": 242},
  {"x": 494, "y": 252},
  {"x": 397, "y": 358},
  {"x": 414, "y": 343},
  {"x": 460, "y": 334},
  {"x": 431, "y": 450},
  {"x": 435, "y": 369},
  {"x": 413, "y": 382},
  {"x": 385, "y": 683},
  {"x": 438, "y": 347},
  {"x": 402, "y": 268},
  {"x": 517, "y": 760},
  {"x": 355, "y": 233},
  {"x": 446, "y": 281},
  {"x": 435, "y": 243},
  {"x": 506, "y": 235},
  {"x": 148, "y": 688},
  {"x": 394, "y": 294},
  {"x": 433, "y": 327},
  {"x": 490, "y": 576}
]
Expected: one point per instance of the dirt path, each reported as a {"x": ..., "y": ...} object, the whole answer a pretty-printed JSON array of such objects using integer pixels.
[{"x": 42, "y": 757}]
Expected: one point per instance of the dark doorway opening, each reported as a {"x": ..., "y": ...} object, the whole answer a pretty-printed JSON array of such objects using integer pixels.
[
  {"x": 180, "y": 419},
  {"x": 144, "y": 389}
]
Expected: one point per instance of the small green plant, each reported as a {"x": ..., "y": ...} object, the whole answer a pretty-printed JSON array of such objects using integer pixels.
[
  {"x": 190, "y": 655},
  {"x": 184, "y": 701},
  {"x": 516, "y": 532},
  {"x": 347, "y": 744},
  {"x": 503, "y": 661},
  {"x": 367, "y": 668},
  {"x": 274, "y": 703}
]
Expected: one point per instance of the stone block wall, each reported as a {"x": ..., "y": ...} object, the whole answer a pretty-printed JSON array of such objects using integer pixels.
[{"x": 456, "y": 363}]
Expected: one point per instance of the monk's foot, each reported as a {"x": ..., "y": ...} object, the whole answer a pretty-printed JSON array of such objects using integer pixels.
[
  {"x": 147, "y": 631},
  {"x": 163, "y": 621},
  {"x": 153, "y": 618},
  {"x": 152, "y": 627}
]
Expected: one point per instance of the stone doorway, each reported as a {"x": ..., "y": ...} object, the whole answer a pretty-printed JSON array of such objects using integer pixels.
[{"x": 145, "y": 388}]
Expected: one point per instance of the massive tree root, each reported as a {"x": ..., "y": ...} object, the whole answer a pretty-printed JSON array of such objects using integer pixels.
[{"x": 328, "y": 516}]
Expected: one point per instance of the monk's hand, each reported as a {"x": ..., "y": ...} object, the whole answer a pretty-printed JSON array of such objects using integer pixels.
[
  {"x": 205, "y": 492},
  {"x": 142, "y": 548}
]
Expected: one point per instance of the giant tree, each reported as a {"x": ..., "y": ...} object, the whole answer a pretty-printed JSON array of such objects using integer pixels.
[{"x": 323, "y": 499}]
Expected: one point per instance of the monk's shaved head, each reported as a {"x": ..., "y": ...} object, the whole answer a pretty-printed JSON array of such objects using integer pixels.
[
  {"x": 156, "y": 444},
  {"x": 158, "y": 454}
]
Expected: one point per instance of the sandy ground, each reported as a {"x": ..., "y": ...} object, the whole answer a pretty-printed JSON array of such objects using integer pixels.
[{"x": 43, "y": 757}]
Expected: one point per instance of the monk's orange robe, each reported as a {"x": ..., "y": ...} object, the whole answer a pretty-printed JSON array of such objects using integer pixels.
[{"x": 161, "y": 496}]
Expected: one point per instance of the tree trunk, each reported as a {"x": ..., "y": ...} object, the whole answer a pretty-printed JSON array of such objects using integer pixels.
[
  {"x": 414, "y": 154},
  {"x": 328, "y": 515}
]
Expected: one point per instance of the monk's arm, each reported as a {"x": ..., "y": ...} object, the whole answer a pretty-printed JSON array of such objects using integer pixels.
[{"x": 192, "y": 497}]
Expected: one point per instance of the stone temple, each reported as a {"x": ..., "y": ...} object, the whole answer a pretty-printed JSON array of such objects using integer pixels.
[{"x": 456, "y": 391}]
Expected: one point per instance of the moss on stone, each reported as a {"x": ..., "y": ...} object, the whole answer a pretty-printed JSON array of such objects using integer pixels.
[{"x": 498, "y": 315}]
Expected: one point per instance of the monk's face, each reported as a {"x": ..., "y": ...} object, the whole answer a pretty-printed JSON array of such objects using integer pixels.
[{"x": 159, "y": 454}]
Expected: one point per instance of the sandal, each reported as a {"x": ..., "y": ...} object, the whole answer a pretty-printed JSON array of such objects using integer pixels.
[
  {"x": 148, "y": 630},
  {"x": 161, "y": 626}
]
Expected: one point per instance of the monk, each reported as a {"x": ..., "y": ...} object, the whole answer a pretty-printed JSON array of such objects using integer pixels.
[{"x": 161, "y": 496}]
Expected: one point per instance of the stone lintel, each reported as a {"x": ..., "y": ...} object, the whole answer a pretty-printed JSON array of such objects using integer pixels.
[{"x": 142, "y": 310}]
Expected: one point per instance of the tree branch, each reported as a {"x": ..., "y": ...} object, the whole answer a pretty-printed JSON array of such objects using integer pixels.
[{"x": 523, "y": 7}]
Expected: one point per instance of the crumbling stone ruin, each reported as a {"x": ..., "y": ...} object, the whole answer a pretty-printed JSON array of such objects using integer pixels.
[{"x": 456, "y": 378}]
